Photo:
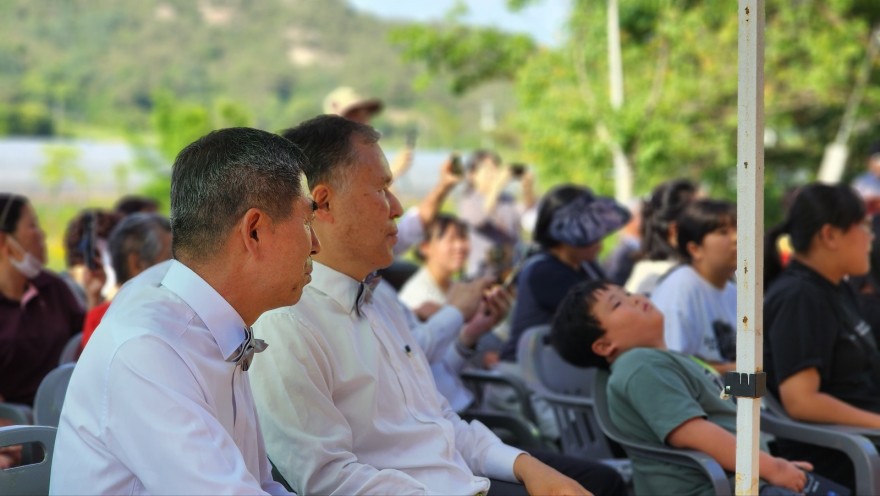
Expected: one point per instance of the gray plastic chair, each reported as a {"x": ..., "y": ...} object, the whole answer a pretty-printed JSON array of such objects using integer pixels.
[
  {"x": 569, "y": 392},
  {"x": 18, "y": 414},
  {"x": 859, "y": 444},
  {"x": 31, "y": 478},
  {"x": 637, "y": 449},
  {"x": 477, "y": 379},
  {"x": 543, "y": 367},
  {"x": 70, "y": 352},
  {"x": 50, "y": 395}
]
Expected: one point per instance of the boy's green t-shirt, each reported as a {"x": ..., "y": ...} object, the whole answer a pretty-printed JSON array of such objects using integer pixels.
[{"x": 650, "y": 393}]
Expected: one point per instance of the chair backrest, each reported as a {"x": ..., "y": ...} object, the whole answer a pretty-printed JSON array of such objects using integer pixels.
[
  {"x": 32, "y": 478},
  {"x": 50, "y": 395},
  {"x": 544, "y": 368},
  {"x": 636, "y": 449},
  {"x": 18, "y": 414},
  {"x": 70, "y": 353}
]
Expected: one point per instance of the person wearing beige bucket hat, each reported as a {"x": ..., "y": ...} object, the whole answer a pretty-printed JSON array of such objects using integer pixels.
[{"x": 345, "y": 101}]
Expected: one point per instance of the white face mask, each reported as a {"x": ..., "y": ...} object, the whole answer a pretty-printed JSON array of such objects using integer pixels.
[{"x": 29, "y": 267}]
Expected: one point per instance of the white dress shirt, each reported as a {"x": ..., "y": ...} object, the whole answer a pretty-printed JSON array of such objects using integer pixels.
[
  {"x": 153, "y": 407},
  {"x": 349, "y": 406},
  {"x": 436, "y": 336}
]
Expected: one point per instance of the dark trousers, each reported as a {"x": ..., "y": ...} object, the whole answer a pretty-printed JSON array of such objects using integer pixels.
[{"x": 599, "y": 479}]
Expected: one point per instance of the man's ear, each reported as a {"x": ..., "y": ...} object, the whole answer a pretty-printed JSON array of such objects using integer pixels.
[
  {"x": 322, "y": 195},
  {"x": 253, "y": 227},
  {"x": 603, "y": 347}
]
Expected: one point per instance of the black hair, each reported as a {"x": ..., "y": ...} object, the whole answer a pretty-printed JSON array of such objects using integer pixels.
[
  {"x": 659, "y": 212},
  {"x": 700, "y": 218},
  {"x": 11, "y": 208},
  {"x": 553, "y": 200},
  {"x": 438, "y": 226},
  {"x": 327, "y": 142},
  {"x": 818, "y": 204},
  {"x": 477, "y": 157},
  {"x": 217, "y": 178},
  {"x": 575, "y": 327},
  {"x": 104, "y": 222}
]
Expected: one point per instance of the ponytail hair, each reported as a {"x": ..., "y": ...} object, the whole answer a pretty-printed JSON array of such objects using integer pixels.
[{"x": 659, "y": 212}]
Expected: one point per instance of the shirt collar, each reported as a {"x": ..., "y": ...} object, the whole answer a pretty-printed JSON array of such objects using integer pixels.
[
  {"x": 338, "y": 286},
  {"x": 224, "y": 323}
]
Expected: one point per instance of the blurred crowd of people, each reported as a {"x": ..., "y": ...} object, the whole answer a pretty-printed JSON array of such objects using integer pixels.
[{"x": 400, "y": 301}]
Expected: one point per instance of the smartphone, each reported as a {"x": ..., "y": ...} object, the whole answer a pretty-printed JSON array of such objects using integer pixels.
[
  {"x": 411, "y": 136},
  {"x": 510, "y": 280},
  {"x": 87, "y": 244},
  {"x": 456, "y": 164},
  {"x": 517, "y": 170}
]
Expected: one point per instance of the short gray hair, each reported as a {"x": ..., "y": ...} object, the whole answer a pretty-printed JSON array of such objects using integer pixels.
[
  {"x": 140, "y": 234},
  {"x": 216, "y": 179}
]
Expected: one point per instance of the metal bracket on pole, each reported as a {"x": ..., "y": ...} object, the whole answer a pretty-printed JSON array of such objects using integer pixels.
[{"x": 744, "y": 385}]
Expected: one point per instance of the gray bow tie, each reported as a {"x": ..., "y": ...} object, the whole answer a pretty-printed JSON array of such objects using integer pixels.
[
  {"x": 365, "y": 291},
  {"x": 245, "y": 353}
]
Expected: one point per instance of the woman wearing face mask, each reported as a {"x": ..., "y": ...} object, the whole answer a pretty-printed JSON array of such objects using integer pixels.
[{"x": 38, "y": 313}]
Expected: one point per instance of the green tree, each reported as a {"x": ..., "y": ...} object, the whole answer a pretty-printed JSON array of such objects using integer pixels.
[
  {"x": 176, "y": 125},
  {"x": 679, "y": 117}
]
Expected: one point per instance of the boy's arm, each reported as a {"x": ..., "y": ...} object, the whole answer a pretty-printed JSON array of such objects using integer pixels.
[
  {"x": 802, "y": 400},
  {"x": 701, "y": 435}
]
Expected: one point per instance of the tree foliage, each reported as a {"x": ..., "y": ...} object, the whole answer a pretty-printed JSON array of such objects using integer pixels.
[{"x": 680, "y": 80}]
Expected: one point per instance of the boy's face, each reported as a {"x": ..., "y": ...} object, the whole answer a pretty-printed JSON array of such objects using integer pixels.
[{"x": 630, "y": 321}]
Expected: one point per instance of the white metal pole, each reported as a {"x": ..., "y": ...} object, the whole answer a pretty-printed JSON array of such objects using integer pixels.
[
  {"x": 750, "y": 230},
  {"x": 623, "y": 174}
]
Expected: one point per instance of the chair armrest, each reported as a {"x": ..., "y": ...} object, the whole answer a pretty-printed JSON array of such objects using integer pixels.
[
  {"x": 496, "y": 377},
  {"x": 526, "y": 435},
  {"x": 856, "y": 442},
  {"x": 701, "y": 461}
]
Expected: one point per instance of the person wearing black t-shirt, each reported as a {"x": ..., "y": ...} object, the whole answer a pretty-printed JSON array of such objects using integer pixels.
[{"x": 820, "y": 354}]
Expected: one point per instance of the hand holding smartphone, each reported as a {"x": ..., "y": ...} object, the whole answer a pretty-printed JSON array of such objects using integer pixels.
[{"x": 456, "y": 169}]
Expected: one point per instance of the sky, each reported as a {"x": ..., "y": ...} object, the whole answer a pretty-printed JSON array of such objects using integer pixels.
[{"x": 544, "y": 20}]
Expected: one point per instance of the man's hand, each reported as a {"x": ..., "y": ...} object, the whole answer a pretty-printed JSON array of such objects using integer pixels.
[
  {"x": 467, "y": 296},
  {"x": 542, "y": 480},
  {"x": 789, "y": 475}
]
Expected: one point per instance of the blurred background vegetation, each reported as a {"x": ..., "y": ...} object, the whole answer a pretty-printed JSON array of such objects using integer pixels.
[{"x": 159, "y": 73}]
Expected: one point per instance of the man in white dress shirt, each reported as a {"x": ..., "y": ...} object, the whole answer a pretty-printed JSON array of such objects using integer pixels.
[
  {"x": 159, "y": 402},
  {"x": 346, "y": 398}
]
